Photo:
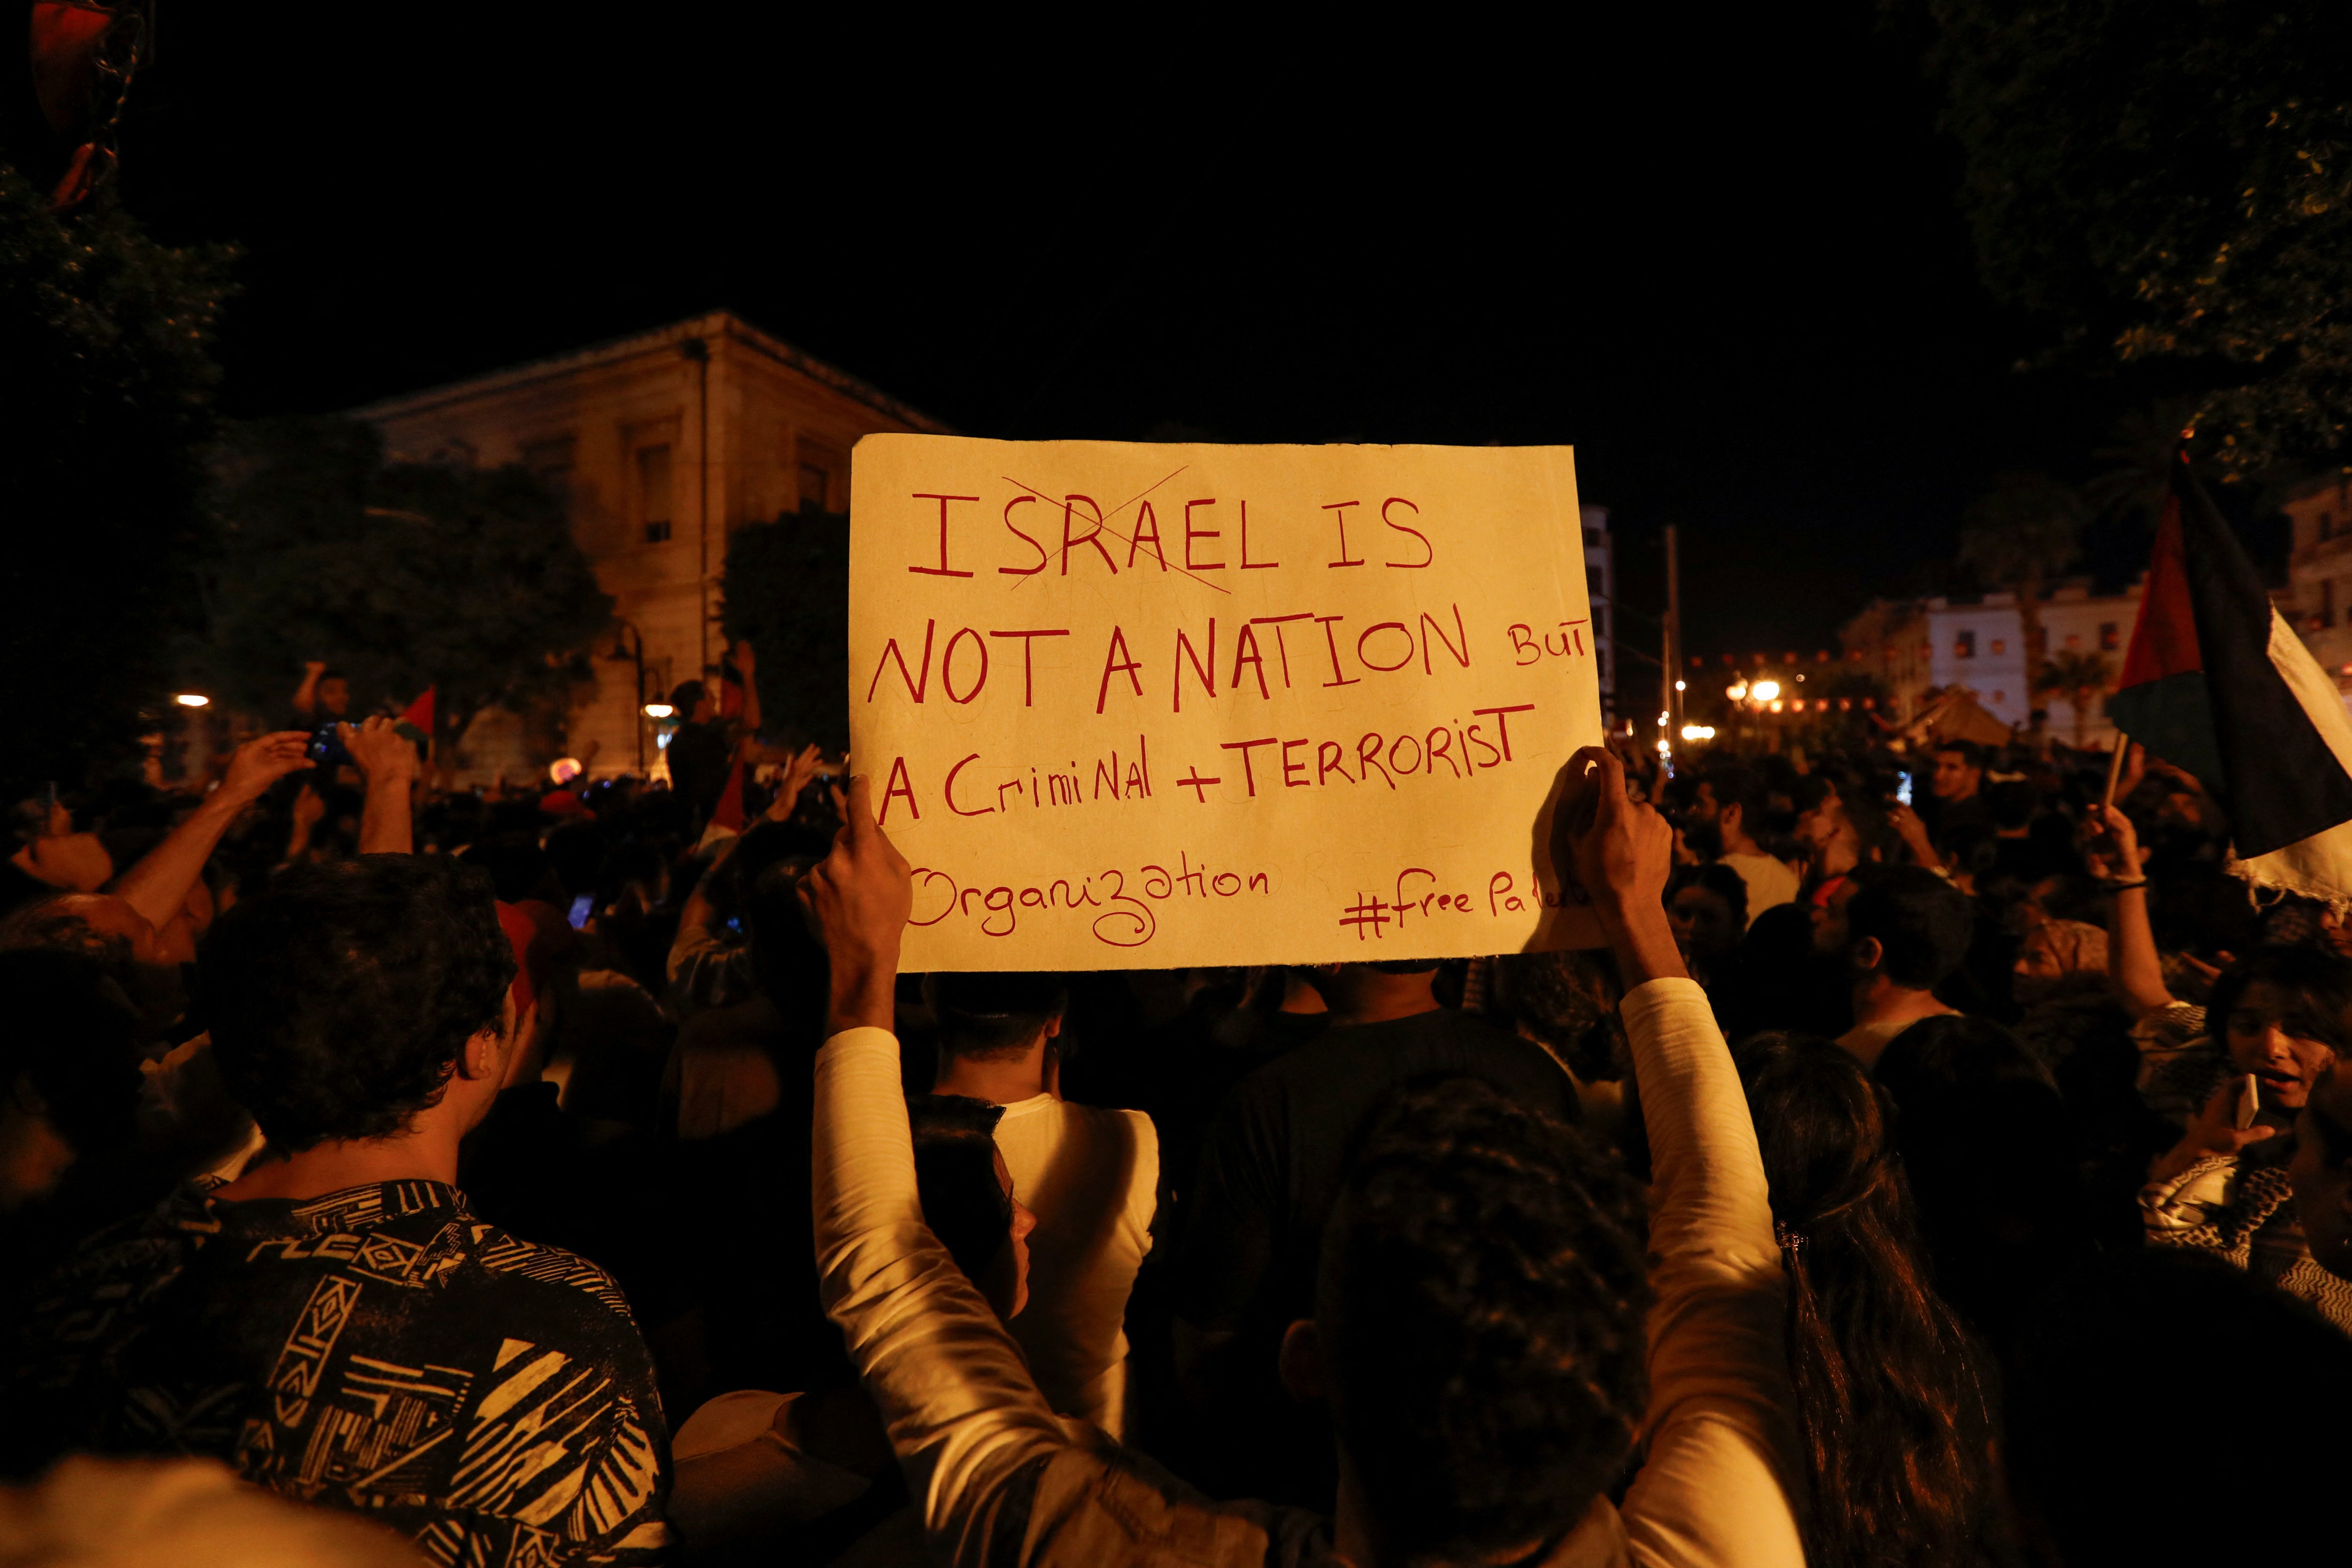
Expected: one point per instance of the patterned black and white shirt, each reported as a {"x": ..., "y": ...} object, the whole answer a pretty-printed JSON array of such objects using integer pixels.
[{"x": 380, "y": 1350}]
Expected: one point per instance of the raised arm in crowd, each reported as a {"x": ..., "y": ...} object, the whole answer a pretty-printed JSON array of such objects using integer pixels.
[{"x": 1478, "y": 1328}]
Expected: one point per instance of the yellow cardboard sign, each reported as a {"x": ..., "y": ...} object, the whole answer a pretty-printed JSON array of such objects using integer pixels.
[{"x": 1138, "y": 706}]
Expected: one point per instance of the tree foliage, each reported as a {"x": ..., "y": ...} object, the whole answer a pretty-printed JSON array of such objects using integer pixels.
[
  {"x": 2020, "y": 534},
  {"x": 402, "y": 576},
  {"x": 106, "y": 382},
  {"x": 2171, "y": 185},
  {"x": 787, "y": 589},
  {"x": 2080, "y": 678}
]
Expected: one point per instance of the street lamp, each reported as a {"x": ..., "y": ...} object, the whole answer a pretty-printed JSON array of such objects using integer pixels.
[
  {"x": 1765, "y": 690},
  {"x": 192, "y": 700},
  {"x": 658, "y": 709}
]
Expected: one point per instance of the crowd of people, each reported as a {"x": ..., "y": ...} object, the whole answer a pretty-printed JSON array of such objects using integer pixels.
[{"x": 567, "y": 1175}]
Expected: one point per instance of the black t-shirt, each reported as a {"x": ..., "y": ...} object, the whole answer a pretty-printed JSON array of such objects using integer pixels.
[
  {"x": 1272, "y": 1164},
  {"x": 698, "y": 756}
]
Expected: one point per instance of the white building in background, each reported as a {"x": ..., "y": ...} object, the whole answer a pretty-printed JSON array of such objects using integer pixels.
[
  {"x": 1980, "y": 646},
  {"x": 1601, "y": 588},
  {"x": 2317, "y": 600}
]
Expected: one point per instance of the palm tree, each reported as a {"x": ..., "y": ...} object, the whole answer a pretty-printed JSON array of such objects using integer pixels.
[
  {"x": 2140, "y": 454},
  {"x": 2020, "y": 533},
  {"x": 2082, "y": 678}
]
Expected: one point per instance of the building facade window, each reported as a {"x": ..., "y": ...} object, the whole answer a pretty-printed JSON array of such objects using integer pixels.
[
  {"x": 654, "y": 492},
  {"x": 2327, "y": 602},
  {"x": 2110, "y": 636},
  {"x": 819, "y": 468},
  {"x": 2000, "y": 645},
  {"x": 1964, "y": 646}
]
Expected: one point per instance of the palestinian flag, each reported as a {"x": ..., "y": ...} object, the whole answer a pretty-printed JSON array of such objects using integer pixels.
[{"x": 2216, "y": 683}]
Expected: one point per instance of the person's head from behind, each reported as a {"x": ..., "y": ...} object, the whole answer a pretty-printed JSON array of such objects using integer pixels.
[
  {"x": 100, "y": 926},
  {"x": 2283, "y": 1012},
  {"x": 1378, "y": 989},
  {"x": 968, "y": 1198},
  {"x": 70, "y": 1078},
  {"x": 1826, "y": 1133},
  {"x": 1708, "y": 908},
  {"x": 1821, "y": 813},
  {"x": 1478, "y": 1326},
  {"x": 2011, "y": 805},
  {"x": 996, "y": 1017},
  {"x": 1566, "y": 1003},
  {"x": 692, "y": 702},
  {"x": 786, "y": 957},
  {"x": 1911, "y": 1458},
  {"x": 350, "y": 1000},
  {"x": 2111, "y": 1371},
  {"x": 1989, "y": 1147},
  {"x": 1906, "y": 925},
  {"x": 1959, "y": 771},
  {"x": 335, "y": 695}
]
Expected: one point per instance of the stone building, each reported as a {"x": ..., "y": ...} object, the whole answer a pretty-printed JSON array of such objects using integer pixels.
[{"x": 663, "y": 443}]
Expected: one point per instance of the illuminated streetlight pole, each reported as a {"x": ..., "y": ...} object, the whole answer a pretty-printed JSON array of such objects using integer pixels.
[{"x": 1673, "y": 692}]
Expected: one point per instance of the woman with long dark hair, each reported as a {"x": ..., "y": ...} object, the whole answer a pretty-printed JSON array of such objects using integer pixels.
[{"x": 1893, "y": 1395}]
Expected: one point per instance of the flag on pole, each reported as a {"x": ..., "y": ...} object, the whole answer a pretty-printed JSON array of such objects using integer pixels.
[
  {"x": 420, "y": 712},
  {"x": 2216, "y": 683}
]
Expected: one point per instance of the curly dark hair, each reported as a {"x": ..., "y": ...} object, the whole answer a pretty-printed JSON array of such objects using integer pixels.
[
  {"x": 341, "y": 998},
  {"x": 1565, "y": 1001},
  {"x": 56, "y": 924},
  {"x": 2318, "y": 983},
  {"x": 1480, "y": 1307},
  {"x": 1893, "y": 1390}
]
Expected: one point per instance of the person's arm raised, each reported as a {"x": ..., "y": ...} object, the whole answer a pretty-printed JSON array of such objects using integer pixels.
[
  {"x": 747, "y": 666},
  {"x": 1721, "y": 1464},
  {"x": 2135, "y": 969},
  {"x": 962, "y": 1411},
  {"x": 386, "y": 756},
  {"x": 700, "y": 915},
  {"x": 158, "y": 885},
  {"x": 1623, "y": 852},
  {"x": 861, "y": 896},
  {"x": 306, "y": 696},
  {"x": 799, "y": 769}
]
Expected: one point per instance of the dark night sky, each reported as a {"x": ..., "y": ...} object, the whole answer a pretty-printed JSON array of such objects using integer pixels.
[{"x": 1716, "y": 251}]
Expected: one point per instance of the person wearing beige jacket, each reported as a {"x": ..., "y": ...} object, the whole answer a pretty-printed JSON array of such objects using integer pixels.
[{"x": 1002, "y": 1481}]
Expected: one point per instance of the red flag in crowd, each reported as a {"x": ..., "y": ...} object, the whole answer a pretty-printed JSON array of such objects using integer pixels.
[
  {"x": 2216, "y": 683},
  {"x": 729, "y": 812}
]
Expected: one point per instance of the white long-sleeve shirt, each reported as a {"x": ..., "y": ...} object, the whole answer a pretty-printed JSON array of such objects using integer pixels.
[{"x": 1001, "y": 1482}]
